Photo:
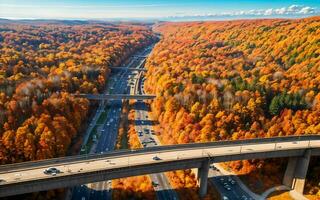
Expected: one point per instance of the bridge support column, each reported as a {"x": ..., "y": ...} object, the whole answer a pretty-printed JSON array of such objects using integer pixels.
[
  {"x": 103, "y": 103},
  {"x": 203, "y": 178},
  {"x": 296, "y": 172}
]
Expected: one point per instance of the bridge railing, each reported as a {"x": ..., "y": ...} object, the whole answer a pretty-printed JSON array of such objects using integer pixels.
[{"x": 157, "y": 149}]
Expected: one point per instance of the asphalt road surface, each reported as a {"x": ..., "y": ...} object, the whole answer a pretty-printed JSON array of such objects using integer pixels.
[{"x": 227, "y": 185}]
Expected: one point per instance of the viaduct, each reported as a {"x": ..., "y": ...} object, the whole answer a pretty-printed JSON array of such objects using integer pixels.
[{"x": 29, "y": 177}]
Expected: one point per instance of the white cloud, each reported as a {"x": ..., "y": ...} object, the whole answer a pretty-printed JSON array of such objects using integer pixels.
[
  {"x": 284, "y": 11},
  {"x": 307, "y": 10},
  {"x": 291, "y": 10}
]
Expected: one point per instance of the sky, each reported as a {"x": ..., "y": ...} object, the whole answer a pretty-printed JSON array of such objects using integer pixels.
[{"x": 178, "y": 10}]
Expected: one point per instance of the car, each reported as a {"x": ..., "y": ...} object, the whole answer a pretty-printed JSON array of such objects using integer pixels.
[
  {"x": 227, "y": 187},
  {"x": 225, "y": 198},
  {"x": 51, "y": 170},
  {"x": 244, "y": 197},
  {"x": 154, "y": 184},
  {"x": 156, "y": 158}
]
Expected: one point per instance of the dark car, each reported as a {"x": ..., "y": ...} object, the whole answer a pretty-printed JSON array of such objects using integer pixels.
[
  {"x": 154, "y": 184},
  {"x": 51, "y": 170},
  {"x": 156, "y": 158}
]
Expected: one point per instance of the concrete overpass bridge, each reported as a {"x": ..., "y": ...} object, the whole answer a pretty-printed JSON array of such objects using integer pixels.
[
  {"x": 29, "y": 177},
  {"x": 115, "y": 96},
  {"x": 128, "y": 68}
]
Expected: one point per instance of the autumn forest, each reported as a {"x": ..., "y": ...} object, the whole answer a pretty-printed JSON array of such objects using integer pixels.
[{"x": 40, "y": 67}]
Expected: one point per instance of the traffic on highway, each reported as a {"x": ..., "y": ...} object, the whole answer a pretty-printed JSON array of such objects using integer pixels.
[
  {"x": 148, "y": 138},
  {"x": 227, "y": 186},
  {"x": 120, "y": 82}
]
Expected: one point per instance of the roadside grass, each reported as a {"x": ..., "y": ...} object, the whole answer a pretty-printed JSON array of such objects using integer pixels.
[
  {"x": 102, "y": 117},
  {"x": 122, "y": 139},
  {"x": 88, "y": 146}
]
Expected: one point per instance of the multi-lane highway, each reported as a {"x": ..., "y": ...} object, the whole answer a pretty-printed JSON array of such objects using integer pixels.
[
  {"x": 227, "y": 185},
  {"x": 147, "y": 138},
  {"x": 107, "y": 131}
]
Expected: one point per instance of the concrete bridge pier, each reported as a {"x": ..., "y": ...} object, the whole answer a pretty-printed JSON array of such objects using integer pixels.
[
  {"x": 296, "y": 172},
  {"x": 103, "y": 103},
  {"x": 203, "y": 178}
]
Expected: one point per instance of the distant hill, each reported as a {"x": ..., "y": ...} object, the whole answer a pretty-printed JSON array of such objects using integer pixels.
[{"x": 73, "y": 22}]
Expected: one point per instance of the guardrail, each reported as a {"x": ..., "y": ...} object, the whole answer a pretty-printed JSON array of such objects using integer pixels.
[
  {"x": 127, "y": 68},
  {"x": 156, "y": 149},
  {"x": 114, "y": 96}
]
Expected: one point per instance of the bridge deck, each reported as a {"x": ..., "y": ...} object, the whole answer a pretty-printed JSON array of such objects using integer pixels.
[
  {"x": 27, "y": 177},
  {"x": 128, "y": 68},
  {"x": 115, "y": 96}
]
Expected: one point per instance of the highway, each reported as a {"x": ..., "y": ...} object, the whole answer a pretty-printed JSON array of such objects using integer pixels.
[
  {"x": 147, "y": 138},
  {"x": 139, "y": 161},
  {"x": 227, "y": 185},
  {"x": 107, "y": 131}
]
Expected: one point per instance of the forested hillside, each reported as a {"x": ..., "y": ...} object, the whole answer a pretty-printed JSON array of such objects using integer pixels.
[
  {"x": 40, "y": 66},
  {"x": 234, "y": 80}
]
